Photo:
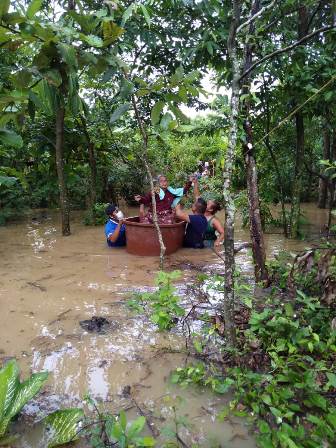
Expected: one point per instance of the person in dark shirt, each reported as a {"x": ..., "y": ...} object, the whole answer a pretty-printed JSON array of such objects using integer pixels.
[
  {"x": 197, "y": 224},
  {"x": 115, "y": 230},
  {"x": 165, "y": 198}
]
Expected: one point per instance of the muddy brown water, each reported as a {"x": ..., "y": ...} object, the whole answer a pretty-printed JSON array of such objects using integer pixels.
[{"x": 49, "y": 283}]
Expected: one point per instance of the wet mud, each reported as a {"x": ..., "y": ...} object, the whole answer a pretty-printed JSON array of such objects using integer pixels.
[{"x": 49, "y": 284}]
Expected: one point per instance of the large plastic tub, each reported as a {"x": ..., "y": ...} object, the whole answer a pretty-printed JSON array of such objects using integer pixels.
[{"x": 142, "y": 239}]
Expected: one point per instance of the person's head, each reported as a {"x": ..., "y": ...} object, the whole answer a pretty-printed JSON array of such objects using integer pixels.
[
  {"x": 213, "y": 207},
  {"x": 112, "y": 211},
  {"x": 199, "y": 206},
  {"x": 163, "y": 182}
]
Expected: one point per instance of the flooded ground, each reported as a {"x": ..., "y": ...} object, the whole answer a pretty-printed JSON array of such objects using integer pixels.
[{"x": 49, "y": 283}]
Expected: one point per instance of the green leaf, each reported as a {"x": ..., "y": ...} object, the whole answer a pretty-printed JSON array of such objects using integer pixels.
[
  {"x": 123, "y": 420},
  {"x": 9, "y": 379},
  {"x": 264, "y": 427},
  {"x": 119, "y": 112},
  {"x": 331, "y": 379},
  {"x": 111, "y": 32},
  {"x": 10, "y": 138},
  {"x": 26, "y": 391},
  {"x": 166, "y": 119},
  {"x": 127, "y": 13},
  {"x": 4, "y": 7},
  {"x": 145, "y": 14},
  {"x": 136, "y": 427},
  {"x": 93, "y": 41},
  {"x": 34, "y": 6},
  {"x": 62, "y": 426},
  {"x": 156, "y": 112},
  {"x": 68, "y": 54}
]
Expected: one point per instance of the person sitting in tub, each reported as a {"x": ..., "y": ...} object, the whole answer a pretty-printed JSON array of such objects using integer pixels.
[
  {"x": 115, "y": 230},
  {"x": 166, "y": 199},
  {"x": 197, "y": 224}
]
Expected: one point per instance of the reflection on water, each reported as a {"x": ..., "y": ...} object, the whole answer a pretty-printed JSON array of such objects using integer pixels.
[{"x": 49, "y": 283}]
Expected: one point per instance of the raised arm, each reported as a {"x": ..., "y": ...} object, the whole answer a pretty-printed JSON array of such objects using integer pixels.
[
  {"x": 146, "y": 199},
  {"x": 197, "y": 193},
  {"x": 187, "y": 187},
  {"x": 181, "y": 214}
]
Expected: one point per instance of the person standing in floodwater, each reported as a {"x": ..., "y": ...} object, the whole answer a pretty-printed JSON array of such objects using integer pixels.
[
  {"x": 166, "y": 198},
  {"x": 115, "y": 230}
]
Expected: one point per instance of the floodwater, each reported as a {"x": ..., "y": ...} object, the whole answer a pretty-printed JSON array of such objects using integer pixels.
[{"x": 49, "y": 283}]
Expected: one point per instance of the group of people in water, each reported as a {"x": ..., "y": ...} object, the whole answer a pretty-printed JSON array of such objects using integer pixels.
[{"x": 203, "y": 227}]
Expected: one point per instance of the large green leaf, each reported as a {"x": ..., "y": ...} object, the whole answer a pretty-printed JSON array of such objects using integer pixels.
[
  {"x": 119, "y": 112},
  {"x": 34, "y": 6},
  {"x": 26, "y": 391},
  {"x": 63, "y": 426},
  {"x": 156, "y": 112},
  {"x": 10, "y": 138},
  {"x": 9, "y": 381}
]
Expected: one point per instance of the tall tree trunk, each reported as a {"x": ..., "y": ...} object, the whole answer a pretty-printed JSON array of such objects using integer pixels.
[
  {"x": 64, "y": 202},
  {"x": 229, "y": 206},
  {"x": 256, "y": 231},
  {"x": 323, "y": 185},
  {"x": 300, "y": 140}
]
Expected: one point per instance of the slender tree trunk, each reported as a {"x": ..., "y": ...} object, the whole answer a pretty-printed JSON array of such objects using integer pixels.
[
  {"x": 256, "y": 231},
  {"x": 323, "y": 185},
  {"x": 93, "y": 171},
  {"x": 276, "y": 165},
  {"x": 155, "y": 217},
  {"x": 300, "y": 139},
  {"x": 64, "y": 202},
  {"x": 92, "y": 165},
  {"x": 229, "y": 206}
]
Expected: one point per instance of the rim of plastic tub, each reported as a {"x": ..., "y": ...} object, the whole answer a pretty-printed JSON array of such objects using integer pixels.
[{"x": 143, "y": 224}]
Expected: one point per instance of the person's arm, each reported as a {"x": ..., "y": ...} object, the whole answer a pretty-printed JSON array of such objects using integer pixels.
[
  {"x": 220, "y": 229},
  {"x": 179, "y": 213},
  {"x": 146, "y": 199},
  {"x": 114, "y": 236},
  {"x": 197, "y": 193},
  {"x": 187, "y": 187}
]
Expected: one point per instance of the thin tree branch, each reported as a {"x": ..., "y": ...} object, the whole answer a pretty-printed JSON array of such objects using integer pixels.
[
  {"x": 255, "y": 16},
  {"x": 286, "y": 49}
]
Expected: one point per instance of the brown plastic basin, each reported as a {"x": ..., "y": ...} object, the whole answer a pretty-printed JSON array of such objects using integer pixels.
[{"x": 141, "y": 239}]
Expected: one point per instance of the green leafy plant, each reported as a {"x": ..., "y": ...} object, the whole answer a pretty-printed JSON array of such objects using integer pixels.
[
  {"x": 60, "y": 427},
  {"x": 163, "y": 303},
  {"x": 115, "y": 430},
  {"x": 95, "y": 216},
  {"x": 14, "y": 394}
]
